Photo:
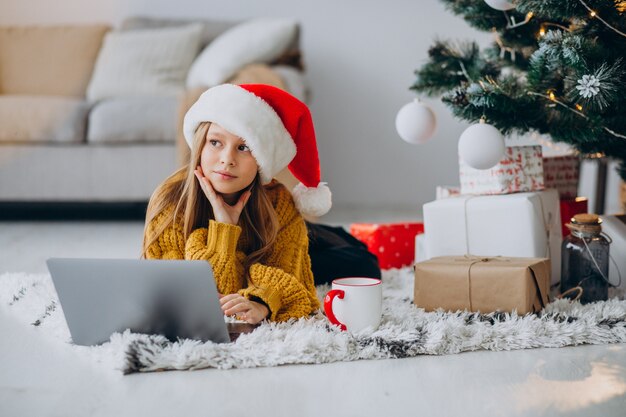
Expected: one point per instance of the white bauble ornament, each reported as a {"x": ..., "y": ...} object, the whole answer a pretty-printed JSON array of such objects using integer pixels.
[
  {"x": 500, "y": 4},
  {"x": 481, "y": 146},
  {"x": 415, "y": 122}
]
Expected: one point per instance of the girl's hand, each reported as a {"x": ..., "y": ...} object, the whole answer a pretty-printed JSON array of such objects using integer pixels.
[
  {"x": 249, "y": 311},
  {"x": 223, "y": 212}
]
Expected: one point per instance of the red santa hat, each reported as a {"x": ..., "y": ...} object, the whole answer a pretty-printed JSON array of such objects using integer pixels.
[{"x": 278, "y": 129}]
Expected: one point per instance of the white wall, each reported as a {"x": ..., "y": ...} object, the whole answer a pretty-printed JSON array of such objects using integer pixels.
[{"x": 360, "y": 56}]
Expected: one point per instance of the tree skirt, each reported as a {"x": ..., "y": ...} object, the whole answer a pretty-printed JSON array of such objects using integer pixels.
[{"x": 405, "y": 331}]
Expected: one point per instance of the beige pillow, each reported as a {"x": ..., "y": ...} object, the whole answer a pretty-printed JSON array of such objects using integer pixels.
[
  {"x": 258, "y": 74},
  {"x": 48, "y": 60},
  {"x": 144, "y": 62}
]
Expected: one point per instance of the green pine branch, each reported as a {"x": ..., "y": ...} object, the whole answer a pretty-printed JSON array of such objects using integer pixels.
[{"x": 561, "y": 73}]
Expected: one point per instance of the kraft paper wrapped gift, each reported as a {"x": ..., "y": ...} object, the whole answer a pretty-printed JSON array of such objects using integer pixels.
[
  {"x": 482, "y": 284},
  {"x": 515, "y": 225},
  {"x": 520, "y": 170}
]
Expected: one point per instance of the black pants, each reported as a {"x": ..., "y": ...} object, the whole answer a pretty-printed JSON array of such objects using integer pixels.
[{"x": 335, "y": 253}]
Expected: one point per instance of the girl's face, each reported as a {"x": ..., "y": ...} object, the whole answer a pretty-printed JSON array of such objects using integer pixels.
[{"x": 227, "y": 161}]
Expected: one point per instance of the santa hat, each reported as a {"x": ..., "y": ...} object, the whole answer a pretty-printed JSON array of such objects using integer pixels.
[{"x": 278, "y": 129}]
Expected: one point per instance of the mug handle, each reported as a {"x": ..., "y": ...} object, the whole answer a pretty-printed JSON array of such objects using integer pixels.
[{"x": 328, "y": 307}]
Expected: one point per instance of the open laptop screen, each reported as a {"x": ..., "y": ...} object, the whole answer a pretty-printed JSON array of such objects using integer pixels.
[{"x": 174, "y": 298}]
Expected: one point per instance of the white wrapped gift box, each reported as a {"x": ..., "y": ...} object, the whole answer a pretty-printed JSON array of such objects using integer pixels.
[
  {"x": 420, "y": 249},
  {"x": 516, "y": 225},
  {"x": 615, "y": 228}
]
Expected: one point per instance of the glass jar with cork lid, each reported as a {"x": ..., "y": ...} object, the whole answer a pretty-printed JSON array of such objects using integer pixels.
[{"x": 585, "y": 259}]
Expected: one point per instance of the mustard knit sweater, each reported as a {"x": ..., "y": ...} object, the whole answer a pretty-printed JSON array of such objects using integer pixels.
[{"x": 284, "y": 282}]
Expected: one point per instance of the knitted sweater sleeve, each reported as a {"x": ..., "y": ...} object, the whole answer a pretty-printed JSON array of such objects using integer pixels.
[
  {"x": 285, "y": 281},
  {"x": 170, "y": 243},
  {"x": 217, "y": 244}
]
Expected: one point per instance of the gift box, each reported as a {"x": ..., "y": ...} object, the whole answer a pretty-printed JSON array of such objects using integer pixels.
[
  {"x": 420, "y": 249},
  {"x": 615, "y": 227},
  {"x": 445, "y": 191},
  {"x": 482, "y": 284},
  {"x": 392, "y": 243},
  {"x": 514, "y": 225},
  {"x": 520, "y": 170},
  {"x": 569, "y": 208},
  {"x": 561, "y": 173}
]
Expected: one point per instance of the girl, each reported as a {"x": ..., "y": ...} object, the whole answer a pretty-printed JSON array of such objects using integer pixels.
[{"x": 225, "y": 207}]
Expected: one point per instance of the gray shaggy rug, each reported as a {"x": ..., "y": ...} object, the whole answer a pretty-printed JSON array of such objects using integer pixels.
[{"x": 405, "y": 331}]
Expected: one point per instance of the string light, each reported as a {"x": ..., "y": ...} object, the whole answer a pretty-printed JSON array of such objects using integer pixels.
[
  {"x": 542, "y": 31},
  {"x": 512, "y": 24},
  {"x": 552, "y": 97},
  {"x": 503, "y": 49},
  {"x": 579, "y": 107},
  {"x": 592, "y": 13}
]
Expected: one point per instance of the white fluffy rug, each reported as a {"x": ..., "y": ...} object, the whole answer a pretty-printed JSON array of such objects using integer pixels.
[{"x": 405, "y": 331}]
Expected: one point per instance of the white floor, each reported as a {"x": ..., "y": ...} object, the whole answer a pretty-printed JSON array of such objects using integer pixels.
[{"x": 37, "y": 380}]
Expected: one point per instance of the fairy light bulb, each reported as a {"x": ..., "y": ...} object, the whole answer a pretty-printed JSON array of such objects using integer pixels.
[
  {"x": 552, "y": 96},
  {"x": 579, "y": 107},
  {"x": 592, "y": 13},
  {"x": 542, "y": 32}
]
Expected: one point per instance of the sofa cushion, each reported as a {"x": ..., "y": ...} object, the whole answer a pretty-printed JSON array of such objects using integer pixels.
[
  {"x": 211, "y": 29},
  {"x": 39, "y": 119},
  {"x": 48, "y": 60},
  {"x": 258, "y": 40},
  {"x": 144, "y": 62},
  {"x": 83, "y": 173},
  {"x": 133, "y": 119}
]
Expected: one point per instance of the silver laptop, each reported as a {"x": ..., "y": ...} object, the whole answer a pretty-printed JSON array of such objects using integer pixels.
[{"x": 174, "y": 298}]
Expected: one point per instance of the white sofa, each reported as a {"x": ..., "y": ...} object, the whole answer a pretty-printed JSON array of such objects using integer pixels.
[{"x": 58, "y": 145}]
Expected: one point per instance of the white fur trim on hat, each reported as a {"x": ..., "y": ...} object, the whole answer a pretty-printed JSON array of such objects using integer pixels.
[
  {"x": 312, "y": 201},
  {"x": 251, "y": 118}
]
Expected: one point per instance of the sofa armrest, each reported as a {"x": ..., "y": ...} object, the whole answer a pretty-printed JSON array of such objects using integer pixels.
[{"x": 250, "y": 74}]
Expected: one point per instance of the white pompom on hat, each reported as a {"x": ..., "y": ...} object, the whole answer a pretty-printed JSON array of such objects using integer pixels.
[{"x": 278, "y": 129}]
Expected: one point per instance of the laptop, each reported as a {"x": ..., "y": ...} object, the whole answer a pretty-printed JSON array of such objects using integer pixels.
[{"x": 173, "y": 298}]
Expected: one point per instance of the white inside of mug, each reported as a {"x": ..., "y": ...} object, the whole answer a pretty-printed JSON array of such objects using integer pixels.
[{"x": 357, "y": 281}]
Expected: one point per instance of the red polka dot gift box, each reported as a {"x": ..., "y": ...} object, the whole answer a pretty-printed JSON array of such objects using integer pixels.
[{"x": 392, "y": 243}]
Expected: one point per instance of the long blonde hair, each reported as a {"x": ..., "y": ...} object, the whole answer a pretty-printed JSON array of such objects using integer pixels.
[{"x": 181, "y": 190}]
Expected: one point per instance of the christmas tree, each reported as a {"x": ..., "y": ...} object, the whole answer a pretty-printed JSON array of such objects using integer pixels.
[{"x": 556, "y": 67}]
